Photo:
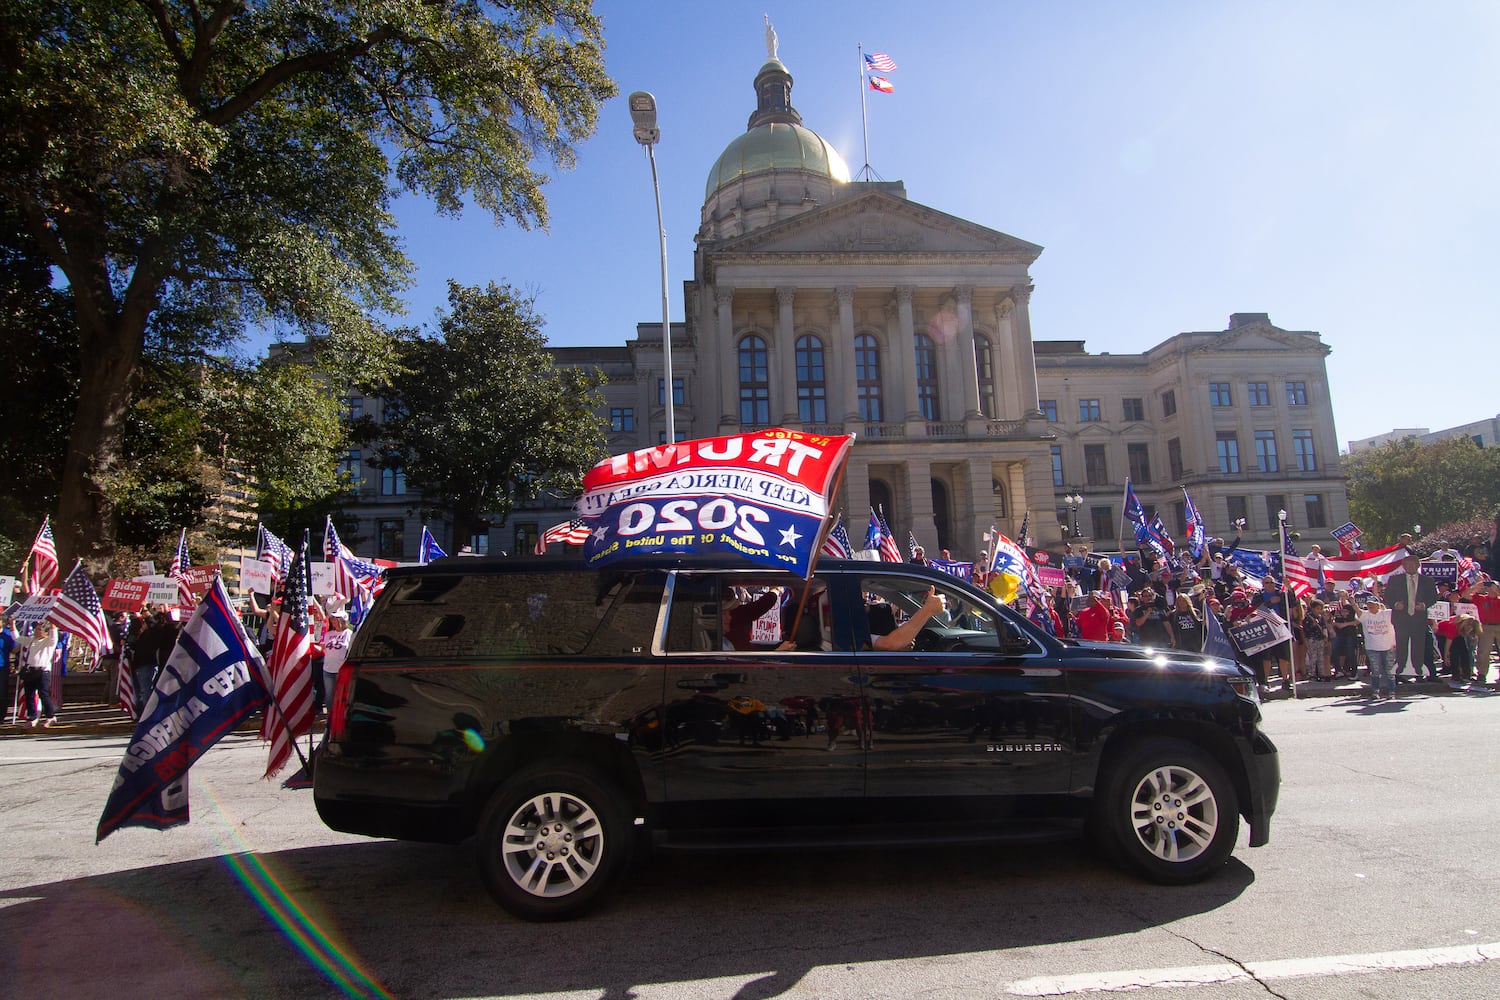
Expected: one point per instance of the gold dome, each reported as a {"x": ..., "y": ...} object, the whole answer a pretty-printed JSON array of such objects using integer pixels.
[{"x": 777, "y": 146}]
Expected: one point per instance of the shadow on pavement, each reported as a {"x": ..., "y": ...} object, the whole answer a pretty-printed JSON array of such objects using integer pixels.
[{"x": 415, "y": 919}]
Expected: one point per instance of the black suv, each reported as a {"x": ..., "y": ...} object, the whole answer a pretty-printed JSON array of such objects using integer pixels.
[{"x": 564, "y": 714}]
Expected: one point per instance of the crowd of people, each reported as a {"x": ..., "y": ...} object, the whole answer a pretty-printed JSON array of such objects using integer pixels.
[
  {"x": 31, "y": 667},
  {"x": 1383, "y": 626}
]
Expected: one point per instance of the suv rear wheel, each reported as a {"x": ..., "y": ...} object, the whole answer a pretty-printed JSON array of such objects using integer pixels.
[
  {"x": 1170, "y": 811},
  {"x": 551, "y": 841}
]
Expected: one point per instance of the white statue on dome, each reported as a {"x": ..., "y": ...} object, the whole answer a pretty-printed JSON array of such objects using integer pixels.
[{"x": 770, "y": 38}]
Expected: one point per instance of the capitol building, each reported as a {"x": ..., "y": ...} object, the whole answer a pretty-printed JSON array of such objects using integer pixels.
[{"x": 834, "y": 305}]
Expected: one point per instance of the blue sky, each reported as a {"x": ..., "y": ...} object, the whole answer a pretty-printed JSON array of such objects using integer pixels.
[{"x": 1332, "y": 164}]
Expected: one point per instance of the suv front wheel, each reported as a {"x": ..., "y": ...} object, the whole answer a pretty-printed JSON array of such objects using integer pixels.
[
  {"x": 551, "y": 840},
  {"x": 1170, "y": 811}
]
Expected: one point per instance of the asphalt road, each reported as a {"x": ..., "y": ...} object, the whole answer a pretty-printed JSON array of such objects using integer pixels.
[{"x": 1379, "y": 882}]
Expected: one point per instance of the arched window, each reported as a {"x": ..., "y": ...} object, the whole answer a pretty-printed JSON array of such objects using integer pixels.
[
  {"x": 755, "y": 383},
  {"x": 927, "y": 379},
  {"x": 984, "y": 364},
  {"x": 812, "y": 387},
  {"x": 867, "y": 378}
]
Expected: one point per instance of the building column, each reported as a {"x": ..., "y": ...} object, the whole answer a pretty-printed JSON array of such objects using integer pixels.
[
  {"x": 968, "y": 369},
  {"x": 786, "y": 356},
  {"x": 645, "y": 385},
  {"x": 844, "y": 364},
  {"x": 1024, "y": 348},
  {"x": 1007, "y": 380},
  {"x": 922, "y": 523},
  {"x": 981, "y": 505},
  {"x": 906, "y": 345},
  {"x": 729, "y": 362}
]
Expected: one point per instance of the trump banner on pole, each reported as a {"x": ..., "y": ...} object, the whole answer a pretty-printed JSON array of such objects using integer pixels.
[
  {"x": 212, "y": 681},
  {"x": 762, "y": 496}
]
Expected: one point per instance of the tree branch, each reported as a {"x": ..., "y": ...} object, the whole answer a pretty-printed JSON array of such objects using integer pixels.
[
  {"x": 164, "y": 28},
  {"x": 205, "y": 34},
  {"x": 285, "y": 70}
]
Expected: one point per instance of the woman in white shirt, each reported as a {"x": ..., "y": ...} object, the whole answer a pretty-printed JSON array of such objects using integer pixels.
[{"x": 1380, "y": 647}]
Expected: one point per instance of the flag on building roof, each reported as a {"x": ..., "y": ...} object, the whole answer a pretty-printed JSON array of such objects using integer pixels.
[
  {"x": 429, "y": 549},
  {"x": 571, "y": 532},
  {"x": 212, "y": 681},
  {"x": 178, "y": 572},
  {"x": 289, "y": 673},
  {"x": 77, "y": 609},
  {"x": 836, "y": 543},
  {"x": 879, "y": 61},
  {"x": 881, "y": 84},
  {"x": 272, "y": 550},
  {"x": 41, "y": 568}
]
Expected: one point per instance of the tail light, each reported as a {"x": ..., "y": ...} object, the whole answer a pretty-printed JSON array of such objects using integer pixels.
[{"x": 338, "y": 712}]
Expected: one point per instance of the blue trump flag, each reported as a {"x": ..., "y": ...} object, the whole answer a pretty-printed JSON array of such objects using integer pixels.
[
  {"x": 1215, "y": 641},
  {"x": 430, "y": 549},
  {"x": 213, "y": 681}
]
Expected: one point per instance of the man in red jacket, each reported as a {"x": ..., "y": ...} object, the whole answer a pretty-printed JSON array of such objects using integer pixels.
[
  {"x": 1095, "y": 621},
  {"x": 1485, "y": 596}
]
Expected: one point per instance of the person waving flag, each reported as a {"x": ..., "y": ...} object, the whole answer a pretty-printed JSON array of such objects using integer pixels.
[{"x": 40, "y": 570}]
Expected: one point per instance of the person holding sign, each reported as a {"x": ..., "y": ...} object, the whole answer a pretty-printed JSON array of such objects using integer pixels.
[{"x": 1485, "y": 596}]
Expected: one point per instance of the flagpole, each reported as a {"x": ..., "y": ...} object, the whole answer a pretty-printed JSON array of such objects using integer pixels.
[
  {"x": 1286, "y": 602},
  {"x": 1120, "y": 524},
  {"x": 864, "y": 121}
]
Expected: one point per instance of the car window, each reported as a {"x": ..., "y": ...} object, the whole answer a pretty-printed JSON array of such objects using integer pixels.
[
  {"x": 515, "y": 615},
  {"x": 965, "y": 623},
  {"x": 746, "y": 613}
]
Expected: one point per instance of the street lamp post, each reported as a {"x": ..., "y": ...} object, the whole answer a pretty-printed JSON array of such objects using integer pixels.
[
  {"x": 643, "y": 117},
  {"x": 1074, "y": 501}
]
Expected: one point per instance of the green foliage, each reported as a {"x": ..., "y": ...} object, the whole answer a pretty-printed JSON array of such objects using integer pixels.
[
  {"x": 1402, "y": 484},
  {"x": 486, "y": 415},
  {"x": 193, "y": 170}
]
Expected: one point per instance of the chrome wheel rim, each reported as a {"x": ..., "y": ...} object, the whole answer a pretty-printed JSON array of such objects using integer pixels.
[
  {"x": 552, "y": 844},
  {"x": 1174, "y": 813}
]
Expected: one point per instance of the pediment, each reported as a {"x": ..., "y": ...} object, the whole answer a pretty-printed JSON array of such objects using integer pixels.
[
  {"x": 1261, "y": 337},
  {"x": 877, "y": 223}
]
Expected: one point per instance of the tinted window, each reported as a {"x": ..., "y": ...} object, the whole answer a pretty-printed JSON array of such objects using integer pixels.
[{"x": 514, "y": 615}]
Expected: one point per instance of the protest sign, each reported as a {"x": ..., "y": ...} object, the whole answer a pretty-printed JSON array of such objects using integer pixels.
[
  {"x": 322, "y": 578},
  {"x": 255, "y": 575},
  {"x": 1440, "y": 571},
  {"x": 1051, "y": 576},
  {"x": 30, "y": 613},
  {"x": 125, "y": 595},
  {"x": 1258, "y": 632},
  {"x": 1440, "y": 611},
  {"x": 7, "y": 589},
  {"x": 1465, "y": 609},
  {"x": 199, "y": 579},
  {"x": 145, "y": 567}
]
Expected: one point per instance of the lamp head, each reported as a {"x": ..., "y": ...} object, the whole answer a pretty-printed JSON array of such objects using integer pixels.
[{"x": 643, "y": 116}]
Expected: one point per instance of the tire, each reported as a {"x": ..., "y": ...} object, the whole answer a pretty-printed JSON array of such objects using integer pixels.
[
  {"x": 560, "y": 869},
  {"x": 1169, "y": 811}
]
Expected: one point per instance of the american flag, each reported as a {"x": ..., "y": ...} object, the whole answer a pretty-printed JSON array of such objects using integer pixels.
[
  {"x": 77, "y": 609},
  {"x": 879, "y": 61},
  {"x": 274, "y": 551},
  {"x": 1300, "y": 579},
  {"x": 836, "y": 543},
  {"x": 888, "y": 550},
  {"x": 573, "y": 532},
  {"x": 351, "y": 574},
  {"x": 125, "y": 688},
  {"x": 1378, "y": 565},
  {"x": 1023, "y": 537},
  {"x": 41, "y": 573},
  {"x": 911, "y": 546},
  {"x": 288, "y": 673},
  {"x": 178, "y": 572}
]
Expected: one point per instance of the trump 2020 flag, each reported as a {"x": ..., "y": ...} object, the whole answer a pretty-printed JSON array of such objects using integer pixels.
[
  {"x": 210, "y": 683},
  {"x": 762, "y": 496}
]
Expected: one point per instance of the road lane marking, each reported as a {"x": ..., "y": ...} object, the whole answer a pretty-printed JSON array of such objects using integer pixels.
[{"x": 1288, "y": 968}]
